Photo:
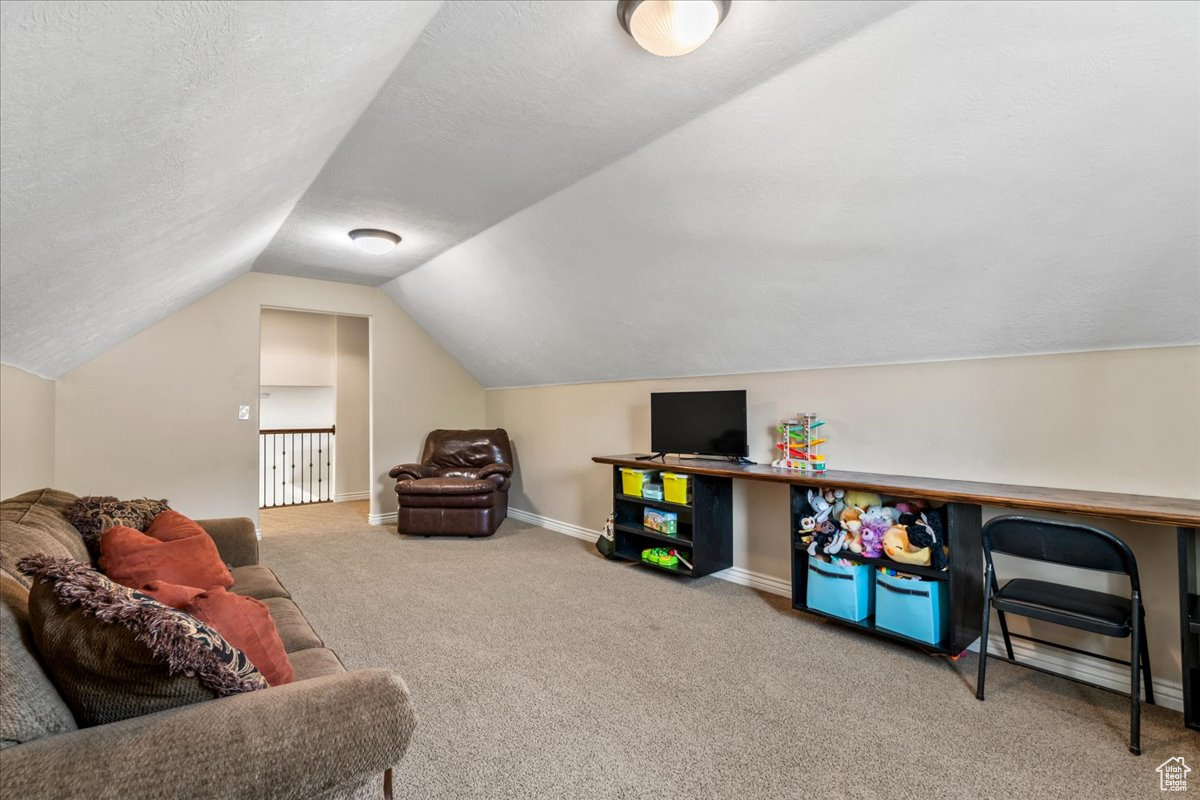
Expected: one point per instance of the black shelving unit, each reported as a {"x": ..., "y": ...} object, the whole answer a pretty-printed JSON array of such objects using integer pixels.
[
  {"x": 1189, "y": 623},
  {"x": 705, "y": 533},
  {"x": 963, "y": 523}
]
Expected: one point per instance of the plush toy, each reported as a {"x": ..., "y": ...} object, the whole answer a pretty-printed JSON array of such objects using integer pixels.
[
  {"x": 820, "y": 506},
  {"x": 911, "y": 506},
  {"x": 853, "y": 541},
  {"x": 871, "y": 543},
  {"x": 925, "y": 531},
  {"x": 898, "y": 547},
  {"x": 827, "y": 540},
  {"x": 875, "y": 523},
  {"x": 837, "y": 499},
  {"x": 863, "y": 499}
]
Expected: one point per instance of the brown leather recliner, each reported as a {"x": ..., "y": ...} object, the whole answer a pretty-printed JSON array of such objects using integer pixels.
[{"x": 460, "y": 488}]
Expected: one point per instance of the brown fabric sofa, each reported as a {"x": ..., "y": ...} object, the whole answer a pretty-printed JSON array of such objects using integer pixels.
[
  {"x": 460, "y": 487},
  {"x": 330, "y": 734}
]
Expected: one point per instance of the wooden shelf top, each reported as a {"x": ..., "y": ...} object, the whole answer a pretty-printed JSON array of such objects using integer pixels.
[{"x": 1178, "y": 511}]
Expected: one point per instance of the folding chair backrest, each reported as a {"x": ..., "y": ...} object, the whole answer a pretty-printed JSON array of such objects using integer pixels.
[{"x": 1068, "y": 543}]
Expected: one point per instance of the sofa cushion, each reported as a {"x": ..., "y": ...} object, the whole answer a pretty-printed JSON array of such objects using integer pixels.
[
  {"x": 116, "y": 653},
  {"x": 247, "y": 625},
  {"x": 316, "y": 662},
  {"x": 257, "y": 581},
  {"x": 445, "y": 486},
  {"x": 293, "y": 628},
  {"x": 135, "y": 559},
  {"x": 92, "y": 516},
  {"x": 171, "y": 525},
  {"x": 30, "y": 707},
  {"x": 171, "y": 594},
  {"x": 33, "y": 522}
]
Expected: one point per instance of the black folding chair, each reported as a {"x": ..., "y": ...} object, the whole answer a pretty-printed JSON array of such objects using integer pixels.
[{"x": 1075, "y": 545}]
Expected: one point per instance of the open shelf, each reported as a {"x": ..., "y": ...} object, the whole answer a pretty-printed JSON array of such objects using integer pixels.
[
  {"x": 869, "y": 625},
  {"x": 1194, "y": 613},
  {"x": 705, "y": 525},
  {"x": 658, "y": 536},
  {"x": 929, "y": 573},
  {"x": 684, "y": 511},
  {"x": 637, "y": 558}
]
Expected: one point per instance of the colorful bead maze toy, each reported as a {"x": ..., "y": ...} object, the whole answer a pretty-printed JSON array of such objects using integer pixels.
[{"x": 800, "y": 446}]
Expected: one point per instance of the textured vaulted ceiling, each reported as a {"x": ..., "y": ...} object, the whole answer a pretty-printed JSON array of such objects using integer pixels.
[
  {"x": 503, "y": 103},
  {"x": 823, "y": 183},
  {"x": 149, "y": 151},
  {"x": 958, "y": 180}
]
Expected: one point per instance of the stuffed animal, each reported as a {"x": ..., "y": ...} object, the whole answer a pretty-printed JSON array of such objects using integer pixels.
[
  {"x": 853, "y": 541},
  {"x": 898, "y": 547},
  {"x": 875, "y": 523},
  {"x": 925, "y": 531},
  {"x": 820, "y": 506},
  {"x": 863, "y": 499},
  {"x": 837, "y": 499},
  {"x": 871, "y": 542},
  {"x": 827, "y": 540}
]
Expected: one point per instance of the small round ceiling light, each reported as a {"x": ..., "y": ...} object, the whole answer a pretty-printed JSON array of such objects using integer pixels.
[
  {"x": 374, "y": 241},
  {"x": 671, "y": 27}
]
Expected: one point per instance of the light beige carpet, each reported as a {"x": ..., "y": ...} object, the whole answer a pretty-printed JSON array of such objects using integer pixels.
[{"x": 541, "y": 670}]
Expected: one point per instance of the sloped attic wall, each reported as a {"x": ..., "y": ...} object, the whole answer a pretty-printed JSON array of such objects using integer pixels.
[
  {"x": 151, "y": 150},
  {"x": 958, "y": 180}
]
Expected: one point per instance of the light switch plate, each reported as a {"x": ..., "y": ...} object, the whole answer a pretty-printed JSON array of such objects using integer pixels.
[{"x": 243, "y": 412}]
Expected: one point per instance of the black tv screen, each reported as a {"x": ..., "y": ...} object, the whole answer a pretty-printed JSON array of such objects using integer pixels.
[{"x": 700, "y": 423}]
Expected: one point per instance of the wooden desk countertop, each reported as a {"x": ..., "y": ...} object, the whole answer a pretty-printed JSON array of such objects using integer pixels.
[{"x": 1177, "y": 511}]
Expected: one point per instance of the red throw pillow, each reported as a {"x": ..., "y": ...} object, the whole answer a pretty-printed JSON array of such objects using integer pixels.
[
  {"x": 134, "y": 559},
  {"x": 247, "y": 625},
  {"x": 171, "y": 594},
  {"x": 171, "y": 525}
]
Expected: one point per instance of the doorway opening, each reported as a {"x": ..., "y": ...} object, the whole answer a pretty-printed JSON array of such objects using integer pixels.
[{"x": 314, "y": 408}]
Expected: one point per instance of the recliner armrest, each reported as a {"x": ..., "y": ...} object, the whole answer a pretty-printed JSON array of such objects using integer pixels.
[
  {"x": 412, "y": 471},
  {"x": 312, "y": 738},
  {"x": 497, "y": 473},
  {"x": 235, "y": 537}
]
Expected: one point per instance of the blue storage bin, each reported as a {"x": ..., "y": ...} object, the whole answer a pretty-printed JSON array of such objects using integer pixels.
[
  {"x": 916, "y": 608},
  {"x": 845, "y": 592}
]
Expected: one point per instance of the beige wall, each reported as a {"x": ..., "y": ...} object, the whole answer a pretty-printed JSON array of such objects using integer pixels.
[
  {"x": 297, "y": 349},
  {"x": 157, "y": 414},
  {"x": 1114, "y": 421},
  {"x": 26, "y": 431},
  {"x": 352, "y": 470}
]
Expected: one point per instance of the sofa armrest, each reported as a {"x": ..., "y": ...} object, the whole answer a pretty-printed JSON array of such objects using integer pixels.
[
  {"x": 236, "y": 541},
  {"x": 307, "y": 739},
  {"x": 403, "y": 472}
]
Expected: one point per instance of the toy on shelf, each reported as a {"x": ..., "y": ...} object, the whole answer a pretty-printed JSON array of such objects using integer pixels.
[
  {"x": 662, "y": 521},
  {"x": 864, "y": 524},
  {"x": 800, "y": 447},
  {"x": 664, "y": 557}
]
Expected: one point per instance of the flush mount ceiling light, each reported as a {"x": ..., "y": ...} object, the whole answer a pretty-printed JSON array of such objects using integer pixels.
[
  {"x": 671, "y": 27},
  {"x": 374, "y": 241}
]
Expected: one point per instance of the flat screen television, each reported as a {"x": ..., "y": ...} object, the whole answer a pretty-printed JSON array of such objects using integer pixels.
[{"x": 699, "y": 423}]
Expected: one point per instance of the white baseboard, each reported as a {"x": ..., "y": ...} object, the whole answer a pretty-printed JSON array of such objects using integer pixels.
[
  {"x": 578, "y": 531},
  {"x": 382, "y": 519},
  {"x": 1167, "y": 693},
  {"x": 349, "y": 496},
  {"x": 756, "y": 580}
]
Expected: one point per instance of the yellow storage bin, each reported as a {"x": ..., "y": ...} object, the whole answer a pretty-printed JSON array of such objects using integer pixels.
[
  {"x": 633, "y": 479},
  {"x": 675, "y": 487}
]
